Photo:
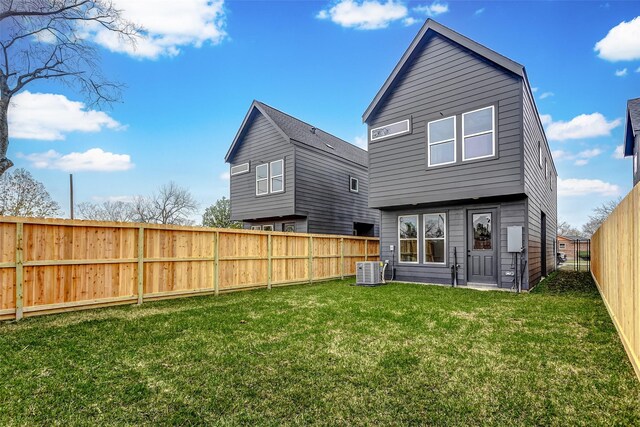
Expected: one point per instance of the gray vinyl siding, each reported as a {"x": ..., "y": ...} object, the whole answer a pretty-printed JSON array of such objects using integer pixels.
[
  {"x": 261, "y": 143},
  {"x": 323, "y": 195},
  {"x": 442, "y": 80},
  {"x": 541, "y": 197},
  {"x": 508, "y": 213}
]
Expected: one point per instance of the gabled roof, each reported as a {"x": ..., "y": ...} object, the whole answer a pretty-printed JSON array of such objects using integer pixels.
[
  {"x": 429, "y": 28},
  {"x": 632, "y": 126},
  {"x": 293, "y": 129}
]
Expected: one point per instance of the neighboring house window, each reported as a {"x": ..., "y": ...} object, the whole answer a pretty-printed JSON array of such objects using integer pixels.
[
  {"x": 256, "y": 227},
  {"x": 408, "y": 238},
  {"x": 262, "y": 179},
  {"x": 562, "y": 245},
  {"x": 539, "y": 153},
  {"x": 393, "y": 129},
  {"x": 267, "y": 228},
  {"x": 277, "y": 176},
  {"x": 478, "y": 136},
  {"x": 354, "y": 185},
  {"x": 435, "y": 226},
  {"x": 441, "y": 141},
  {"x": 240, "y": 169},
  {"x": 289, "y": 227}
]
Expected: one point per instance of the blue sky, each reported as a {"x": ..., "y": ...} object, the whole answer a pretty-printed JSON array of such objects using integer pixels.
[{"x": 191, "y": 81}]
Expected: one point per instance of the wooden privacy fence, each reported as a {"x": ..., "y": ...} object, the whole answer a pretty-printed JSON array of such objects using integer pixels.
[
  {"x": 615, "y": 266},
  {"x": 53, "y": 265}
]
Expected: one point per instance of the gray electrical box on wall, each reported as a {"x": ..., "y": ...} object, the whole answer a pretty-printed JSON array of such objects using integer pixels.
[{"x": 514, "y": 238}]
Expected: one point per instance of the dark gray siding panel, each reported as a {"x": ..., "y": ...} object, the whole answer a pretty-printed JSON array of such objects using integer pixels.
[
  {"x": 261, "y": 143},
  {"x": 509, "y": 213},
  {"x": 322, "y": 193},
  {"x": 445, "y": 79},
  {"x": 542, "y": 191}
]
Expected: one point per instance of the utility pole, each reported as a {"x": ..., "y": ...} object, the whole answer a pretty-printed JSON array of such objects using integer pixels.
[{"x": 71, "y": 194}]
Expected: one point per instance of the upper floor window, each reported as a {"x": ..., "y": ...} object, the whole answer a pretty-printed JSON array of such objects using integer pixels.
[
  {"x": 539, "y": 153},
  {"x": 546, "y": 169},
  {"x": 239, "y": 169},
  {"x": 268, "y": 227},
  {"x": 262, "y": 179},
  {"x": 408, "y": 238},
  {"x": 393, "y": 129},
  {"x": 441, "y": 141},
  {"x": 435, "y": 238},
  {"x": 478, "y": 135},
  {"x": 277, "y": 176},
  {"x": 635, "y": 163},
  {"x": 354, "y": 184}
]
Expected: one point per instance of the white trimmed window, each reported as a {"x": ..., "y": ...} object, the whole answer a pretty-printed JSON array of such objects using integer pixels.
[
  {"x": 391, "y": 130},
  {"x": 277, "y": 176},
  {"x": 267, "y": 227},
  {"x": 441, "y": 141},
  {"x": 546, "y": 169},
  {"x": 540, "y": 153},
  {"x": 239, "y": 169},
  {"x": 435, "y": 235},
  {"x": 256, "y": 227},
  {"x": 262, "y": 179},
  {"x": 635, "y": 163},
  {"x": 354, "y": 184},
  {"x": 478, "y": 136},
  {"x": 562, "y": 245},
  {"x": 408, "y": 239}
]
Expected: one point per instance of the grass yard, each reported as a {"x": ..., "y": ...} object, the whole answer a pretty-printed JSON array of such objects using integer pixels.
[{"x": 326, "y": 354}]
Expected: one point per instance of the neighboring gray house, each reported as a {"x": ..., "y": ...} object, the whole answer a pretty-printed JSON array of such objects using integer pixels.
[
  {"x": 632, "y": 136},
  {"x": 287, "y": 175},
  {"x": 457, "y": 153}
]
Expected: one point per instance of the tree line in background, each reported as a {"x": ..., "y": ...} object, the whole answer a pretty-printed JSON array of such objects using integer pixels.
[
  {"x": 598, "y": 216},
  {"x": 23, "y": 195}
]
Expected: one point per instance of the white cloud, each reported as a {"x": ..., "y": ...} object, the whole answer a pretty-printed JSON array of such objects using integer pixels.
[
  {"x": 364, "y": 15},
  {"x": 621, "y": 73},
  {"x": 580, "y": 159},
  {"x": 168, "y": 26},
  {"x": 479, "y": 11},
  {"x": 124, "y": 199},
  {"x": 582, "y": 126},
  {"x": 49, "y": 117},
  {"x": 618, "y": 153},
  {"x": 94, "y": 159},
  {"x": 409, "y": 21},
  {"x": 434, "y": 9},
  {"x": 361, "y": 141},
  {"x": 546, "y": 95},
  {"x": 225, "y": 176},
  {"x": 622, "y": 42},
  {"x": 534, "y": 89},
  {"x": 545, "y": 119},
  {"x": 586, "y": 187},
  {"x": 638, "y": 70}
]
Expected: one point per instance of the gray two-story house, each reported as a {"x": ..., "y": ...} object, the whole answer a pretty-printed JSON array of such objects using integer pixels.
[
  {"x": 457, "y": 155},
  {"x": 287, "y": 175},
  {"x": 632, "y": 136}
]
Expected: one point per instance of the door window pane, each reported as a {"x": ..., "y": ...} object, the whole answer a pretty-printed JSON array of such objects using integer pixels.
[{"x": 482, "y": 231}]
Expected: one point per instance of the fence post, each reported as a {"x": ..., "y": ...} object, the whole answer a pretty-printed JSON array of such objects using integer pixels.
[
  {"x": 140, "y": 264},
  {"x": 19, "y": 271},
  {"x": 342, "y": 258},
  {"x": 366, "y": 250},
  {"x": 216, "y": 264},
  {"x": 269, "y": 262},
  {"x": 310, "y": 259}
]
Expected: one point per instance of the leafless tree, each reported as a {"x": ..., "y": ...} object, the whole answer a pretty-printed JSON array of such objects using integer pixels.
[
  {"x": 171, "y": 204},
  {"x": 106, "y": 211},
  {"x": 600, "y": 214},
  {"x": 23, "y": 195},
  {"x": 566, "y": 229},
  {"x": 48, "y": 39}
]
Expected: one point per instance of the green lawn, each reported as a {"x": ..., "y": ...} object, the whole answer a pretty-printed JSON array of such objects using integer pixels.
[{"x": 326, "y": 354}]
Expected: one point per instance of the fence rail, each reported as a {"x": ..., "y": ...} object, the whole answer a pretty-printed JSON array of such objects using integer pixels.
[
  {"x": 54, "y": 265},
  {"x": 615, "y": 266}
]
